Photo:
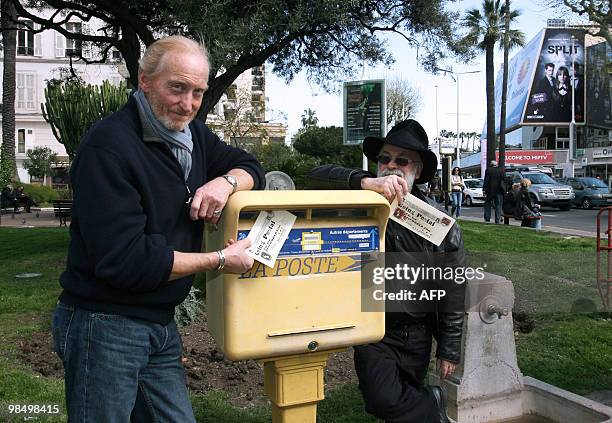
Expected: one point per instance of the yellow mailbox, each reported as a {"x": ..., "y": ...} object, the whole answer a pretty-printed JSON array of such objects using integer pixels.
[{"x": 311, "y": 300}]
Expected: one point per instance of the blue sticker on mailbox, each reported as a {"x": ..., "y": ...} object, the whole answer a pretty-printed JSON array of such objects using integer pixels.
[{"x": 328, "y": 240}]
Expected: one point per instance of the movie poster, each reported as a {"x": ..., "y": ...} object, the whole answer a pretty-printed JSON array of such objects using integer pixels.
[
  {"x": 364, "y": 110},
  {"x": 556, "y": 80},
  {"x": 599, "y": 86}
]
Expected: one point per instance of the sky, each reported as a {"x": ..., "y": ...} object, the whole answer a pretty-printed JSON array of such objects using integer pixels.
[{"x": 293, "y": 98}]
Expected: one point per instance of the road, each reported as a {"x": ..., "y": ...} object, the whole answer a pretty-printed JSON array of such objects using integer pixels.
[{"x": 574, "y": 219}]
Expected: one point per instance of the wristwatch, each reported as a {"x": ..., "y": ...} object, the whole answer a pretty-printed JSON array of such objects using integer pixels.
[{"x": 232, "y": 181}]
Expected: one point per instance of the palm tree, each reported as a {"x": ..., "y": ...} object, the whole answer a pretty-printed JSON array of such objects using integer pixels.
[
  {"x": 511, "y": 38},
  {"x": 9, "y": 36},
  {"x": 309, "y": 118},
  {"x": 486, "y": 28}
]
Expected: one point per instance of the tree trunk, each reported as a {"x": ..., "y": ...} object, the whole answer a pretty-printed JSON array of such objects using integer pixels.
[
  {"x": 129, "y": 45},
  {"x": 9, "y": 36},
  {"x": 502, "y": 118},
  {"x": 491, "y": 139}
]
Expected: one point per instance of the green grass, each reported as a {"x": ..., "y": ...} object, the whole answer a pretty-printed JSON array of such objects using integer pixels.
[
  {"x": 512, "y": 239},
  {"x": 31, "y": 250},
  {"x": 25, "y": 308},
  {"x": 568, "y": 350},
  {"x": 549, "y": 272},
  {"x": 571, "y": 352}
]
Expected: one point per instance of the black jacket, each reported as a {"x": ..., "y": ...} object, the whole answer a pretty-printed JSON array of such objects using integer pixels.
[
  {"x": 447, "y": 326},
  {"x": 493, "y": 182},
  {"x": 129, "y": 215},
  {"x": 523, "y": 205}
]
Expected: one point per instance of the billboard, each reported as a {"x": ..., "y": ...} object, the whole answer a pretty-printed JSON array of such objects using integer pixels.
[
  {"x": 550, "y": 98},
  {"x": 599, "y": 86},
  {"x": 520, "y": 72},
  {"x": 365, "y": 110},
  {"x": 527, "y": 157}
]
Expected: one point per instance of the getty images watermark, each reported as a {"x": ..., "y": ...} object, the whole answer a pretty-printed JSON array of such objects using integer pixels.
[{"x": 416, "y": 282}]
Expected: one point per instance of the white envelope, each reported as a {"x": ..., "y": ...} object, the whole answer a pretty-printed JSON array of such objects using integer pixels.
[
  {"x": 268, "y": 235},
  {"x": 422, "y": 218}
]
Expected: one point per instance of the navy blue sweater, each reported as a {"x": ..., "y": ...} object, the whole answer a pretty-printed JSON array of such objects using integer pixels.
[{"x": 129, "y": 215}]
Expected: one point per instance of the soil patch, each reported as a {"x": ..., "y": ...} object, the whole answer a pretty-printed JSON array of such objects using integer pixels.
[{"x": 205, "y": 365}]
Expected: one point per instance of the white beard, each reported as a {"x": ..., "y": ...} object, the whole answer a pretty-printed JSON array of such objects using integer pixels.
[{"x": 409, "y": 178}]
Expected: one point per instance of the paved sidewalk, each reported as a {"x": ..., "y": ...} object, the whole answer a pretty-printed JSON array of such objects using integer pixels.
[
  {"x": 39, "y": 217},
  {"x": 546, "y": 228}
]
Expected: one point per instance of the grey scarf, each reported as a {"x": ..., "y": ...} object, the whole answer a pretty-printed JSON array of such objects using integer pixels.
[{"x": 180, "y": 142}]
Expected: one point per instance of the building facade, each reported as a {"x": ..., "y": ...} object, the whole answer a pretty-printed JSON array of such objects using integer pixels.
[
  {"x": 562, "y": 74},
  {"x": 41, "y": 57},
  {"x": 239, "y": 118}
]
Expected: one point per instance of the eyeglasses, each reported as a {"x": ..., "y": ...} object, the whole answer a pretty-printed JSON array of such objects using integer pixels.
[{"x": 400, "y": 161}]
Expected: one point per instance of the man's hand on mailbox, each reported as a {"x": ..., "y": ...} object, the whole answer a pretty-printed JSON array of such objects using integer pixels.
[
  {"x": 236, "y": 259},
  {"x": 209, "y": 200},
  {"x": 391, "y": 186}
]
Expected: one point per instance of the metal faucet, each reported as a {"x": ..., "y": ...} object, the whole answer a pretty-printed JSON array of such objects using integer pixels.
[{"x": 495, "y": 309}]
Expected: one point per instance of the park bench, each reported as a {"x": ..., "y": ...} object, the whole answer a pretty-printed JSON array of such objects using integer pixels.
[
  {"x": 62, "y": 208},
  {"x": 507, "y": 218}
]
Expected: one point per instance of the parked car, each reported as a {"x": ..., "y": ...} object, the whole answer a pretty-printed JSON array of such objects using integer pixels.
[
  {"x": 544, "y": 190},
  {"x": 472, "y": 193},
  {"x": 589, "y": 191},
  {"x": 524, "y": 168}
]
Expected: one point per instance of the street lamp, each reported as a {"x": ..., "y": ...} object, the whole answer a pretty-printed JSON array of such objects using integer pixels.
[
  {"x": 437, "y": 130},
  {"x": 572, "y": 125},
  {"x": 457, "y": 74}
]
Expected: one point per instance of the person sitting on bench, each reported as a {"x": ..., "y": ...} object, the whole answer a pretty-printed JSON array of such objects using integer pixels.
[
  {"x": 525, "y": 210},
  {"x": 8, "y": 198},
  {"x": 23, "y": 198}
]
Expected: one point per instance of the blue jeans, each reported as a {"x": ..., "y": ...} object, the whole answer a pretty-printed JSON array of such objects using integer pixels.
[
  {"x": 497, "y": 199},
  {"x": 457, "y": 199},
  {"x": 119, "y": 369}
]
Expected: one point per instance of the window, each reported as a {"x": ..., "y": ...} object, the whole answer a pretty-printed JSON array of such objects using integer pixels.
[
  {"x": 60, "y": 45},
  {"x": 540, "y": 144},
  {"x": 25, "y": 91},
  {"x": 115, "y": 55},
  {"x": 25, "y": 39},
  {"x": 21, "y": 141},
  {"x": 65, "y": 47},
  {"x": 28, "y": 43},
  {"x": 74, "y": 47},
  {"x": 475, "y": 183},
  {"x": 231, "y": 92}
]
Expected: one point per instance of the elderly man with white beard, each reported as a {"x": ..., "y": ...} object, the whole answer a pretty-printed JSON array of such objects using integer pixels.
[{"x": 392, "y": 372}]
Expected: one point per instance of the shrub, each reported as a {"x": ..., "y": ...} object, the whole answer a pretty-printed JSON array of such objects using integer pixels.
[
  {"x": 190, "y": 309},
  {"x": 39, "y": 193},
  {"x": 64, "y": 194}
]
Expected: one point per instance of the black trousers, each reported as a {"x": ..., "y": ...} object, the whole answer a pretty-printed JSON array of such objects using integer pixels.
[{"x": 391, "y": 375}]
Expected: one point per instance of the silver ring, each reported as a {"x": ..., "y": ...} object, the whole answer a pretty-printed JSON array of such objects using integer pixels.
[{"x": 217, "y": 212}]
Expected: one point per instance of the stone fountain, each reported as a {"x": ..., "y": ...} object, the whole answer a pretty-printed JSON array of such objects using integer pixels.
[{"x": 488, "y": 386}]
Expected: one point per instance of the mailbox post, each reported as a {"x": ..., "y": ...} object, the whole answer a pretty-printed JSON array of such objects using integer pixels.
[{"x": 309, "y": 305}]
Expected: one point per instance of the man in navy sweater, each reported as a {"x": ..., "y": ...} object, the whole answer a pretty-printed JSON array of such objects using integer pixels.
[{"x": 144, "y": 180}]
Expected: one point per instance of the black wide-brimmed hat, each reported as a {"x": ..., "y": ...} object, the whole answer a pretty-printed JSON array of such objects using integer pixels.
[{"x": 408, "y": 134}]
